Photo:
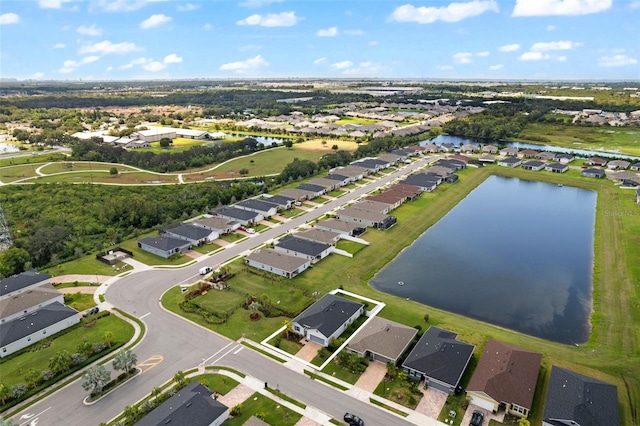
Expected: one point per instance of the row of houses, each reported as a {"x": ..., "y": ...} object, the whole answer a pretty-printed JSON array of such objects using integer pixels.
[{"x": 31, "y": 309}]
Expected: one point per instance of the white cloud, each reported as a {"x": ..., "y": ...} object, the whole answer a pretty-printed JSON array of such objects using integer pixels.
[
  {"x": 154, "y": 66},
  {"x": 258, "y": 3},
  {"x": 9, "y": 18},
  {"x": 137, "y": 61},
  {"x": 444, "y": 67},
  {"x": 342, "y": 65},
  {"x": 109, "y": 68},
  {"x": 554, "y": 45},
  {"x": 561, "y": 58},
  {"x": 207, "y": 27},
  {"x": 496, "y": 67},
  {"x": 284, "y": 19},
  {"x": 353, "y": 32},
  {"x": 481, "y": 54},
  {"x": 90, "y": 31},
  {"x": 551, "y": 28},
  {"x": 122, "y": 5},
  {"x": 59, "y": 46},
  {"x": 363, "y": 68},
  {"x": 243, "y": 66},
  {"x": 533, "y": 56},
  {"x": 616, "y": 61},
  {"x": 52, "y": 4},
  {"x": 69, "y": 65},
  {"x": 329, "y": 32},
  {"x": 373, "y": 43},
  {"x": 509, "y": 47},
  {"x": 172, "y": 59},
  {"x": 65, "y": 70},
  {"x": 319, "y": 61},
  {"x": 188, "y": 7},
  {"x": 559, "y": 7},
  {"x": 454, "y": 12},
  {"x": 105, "y": 47},
  {"x": 155, "y": 21},
  {"x": 37, "y": 76},
  {"x": 463, "y": 58}
]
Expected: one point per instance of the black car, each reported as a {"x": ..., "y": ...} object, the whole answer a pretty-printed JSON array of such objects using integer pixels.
[
  {"x": 476, "y": 419},
  {"x": 353, "y": 420}
]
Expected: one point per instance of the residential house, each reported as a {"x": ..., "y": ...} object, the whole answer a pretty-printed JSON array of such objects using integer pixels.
[
  {"x": 353, "y": 172},
  {"x": 265, "y": 208},
  {"x": 393, "y": 199},
  {"x": 556, "y": 168},
  {"x": 509, "y": 152},
  {"x": 487, "y": 158},
  {"x": 469, "y": 148},
  {"x": 459, "y": 157},
  {"x": 452, "y": 164},
  {"x": 527, "y": 153},
  {"x": 315, "y": 190},
  {"x": 411, "y": 192},
  {"x": 280, "y": 201},
  {"x": 194, "y": 405},
  {"x": 421, "y": 180},
  {"x": 195, "y": 235},
  {"x": 545, "y": 156},
  {"x": 596, "y": 161},
  {"x": 297, "y": 194},
  {"x": 374, "y": 165},
  {"x": 431, "y": 148},
  {"x": 635, "y": 167},
  {"x": 574, "y": 399},
  {"x": 534, "y": 165},
  {"x": 390, "y": 158},
  {"x": 39, "y": 324},
  {"x": 320, "y": 235},
  {"x": 329, "y": 184},
  {"x": 373, "y": 206},
  {"x": 244, "y": 217},
  {"x": 489, "y": 149},
  {"x": 405, "y": 153},
  {"x": 441, "y": 170},
  {"x": 342, "y": 180},
  {"x": 24, "y": 303},
  {"x": 506, "y": 376},
  {"x": 277, "y": 262},
  {"x": 327, "y": 319},
  {"x": 164, "y": 246},
  {"x": 510, "y": 162},
  {"x": 448, "y": 147},
  {"x": 342, "y": 227},
  {"x": 618, "y": 164},
  {"x": 219, "y": 224},
  {"x": 382, "y": 340},
  {"x": 594, "y": 173},
  {"x": 439, "y": 359},
  {"x": 366, "y": 217},
  {"x": 564, "y": 158},
  {"x": 307, "y": 249},
  {"x": 19, "y": 283}
]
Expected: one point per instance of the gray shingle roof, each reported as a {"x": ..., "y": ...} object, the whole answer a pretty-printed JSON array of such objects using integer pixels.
[
  {"x": 164, "y": 243},
  {"x": 301, "y": 245},
  {"x": 20, "y": 281},
  {"x": 311, "y": 187},
  {"x": 260, "y": 205},
  {"x": 383, "y": 337},
  {"x": 335, "y": 176},
  {"x": 33, "y": 322},
  {"x": 328, "y": 314},
  {"x": 191, "y": 232},
  {"x": 279, "y": 200},
  {"x": 27, "y": 299},
  {"x": 236, "y": 213},
  {"x": 277, "y": 259},
  {"x": 584, "y": 400}
]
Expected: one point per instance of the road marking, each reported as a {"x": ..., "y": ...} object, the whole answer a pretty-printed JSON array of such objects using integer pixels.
[
  {"x": 32, "y": 418},
  {"x": 239, "y": 349},
  {"x": 149, "y": 363},
  {"x": 223, "y": 355},
  {"x": 145, "y": 315},
  {"x": 225, "y": 347}
]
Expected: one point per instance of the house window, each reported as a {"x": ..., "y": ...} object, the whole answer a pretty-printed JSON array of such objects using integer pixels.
[
  {"x": 44, "y": 331},
  {"x": 518, "y": 409}
]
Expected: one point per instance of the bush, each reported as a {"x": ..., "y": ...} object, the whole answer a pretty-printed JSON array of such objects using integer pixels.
[
  {"x": 78, "y": 358},
  {"x": 47, "y": 375},
  {"x": 18, "y": 390},
  {"x": 98, "y": 347},
  {"x": 236, "y": 410},
  {"x": 426, "y": 317}
]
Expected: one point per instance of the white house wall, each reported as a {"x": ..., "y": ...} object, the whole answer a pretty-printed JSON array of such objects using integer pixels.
[{"x": 39, "y": 335}]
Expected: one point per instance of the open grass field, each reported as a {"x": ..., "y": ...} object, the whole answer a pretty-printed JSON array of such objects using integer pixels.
[
  {"x": 79, "y": 301},
  {"x": 316, "y": 145},
  {"x": 150, "y": 258},
  {"x": 267, "y": 409},
  {"x": 31, "y": 159},
  {"x": 14, "y": 368},
  {"x": 355, "y": 120},
  {"x": 612, "y": 353},
  {"x": 217, "y": 382},
  {"x": 17, "y": 172},
  {"x": 625, "y": 140},
  {"x": 75, "y": 166},
  {"x": 86, "y": 265},
  {"x": 178, "y": 145}
]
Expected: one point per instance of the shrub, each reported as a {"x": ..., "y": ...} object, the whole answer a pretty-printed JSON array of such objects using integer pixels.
[
  {"x": 78, "y": 358},
  {"x": 18, "y": 390},
  {"x": 98, "y": 347},
  {"x": 48, "y": 375},
  {"x": 236, "y": 410},
  {"x": 147, "y": 406},
  {"x": 426, "y": 317}
]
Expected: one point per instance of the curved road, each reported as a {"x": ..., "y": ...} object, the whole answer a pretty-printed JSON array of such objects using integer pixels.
[{"x": 183, "y": 345}]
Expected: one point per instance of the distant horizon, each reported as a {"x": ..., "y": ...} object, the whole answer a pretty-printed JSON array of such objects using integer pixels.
[{"x": 455, "y": 40}]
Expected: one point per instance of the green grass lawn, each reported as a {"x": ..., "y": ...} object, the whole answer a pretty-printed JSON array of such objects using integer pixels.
[
  {"x": 16, "y": 172},
  {"x": 350, "y": 246},
  {"x": 232, "y": 237},
  {"x": 266, "y": 409},
  {"x": 86, "y": 265},
  {"x": 31, "y": 159},
  {"x": 14, "y": 367},
  {"x": 74, "y": 166},
  {"x": 291, "y": 212},
  {"x": 355, "y": 120},
  {"x": 400, "y": 390},
  {"x": 286, "y": 345},
  {"x": 206, "y": 248},
  {"x": 219, "y": 301},
  {"x": 217, "y": 382},
  {"x": 150, "y": 258},
  {"x": 336, "y": 193},
  {"x": 79, "y": 301}
]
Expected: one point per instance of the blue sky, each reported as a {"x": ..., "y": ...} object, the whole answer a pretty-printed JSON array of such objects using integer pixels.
[{"x": 463, "y": 39}]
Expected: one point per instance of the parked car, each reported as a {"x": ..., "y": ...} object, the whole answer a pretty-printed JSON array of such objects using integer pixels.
[
  {"x": 476, "y": 418},
  {"x": 251, "y": 231},
  {"x": 91, "y": 311},
  {"x": 353, "y": 420}
]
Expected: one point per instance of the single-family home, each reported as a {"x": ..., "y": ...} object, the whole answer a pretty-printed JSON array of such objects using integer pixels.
[
  {"x": 342, "y": 179},
  {"x": 219, "y": 224},
  {"x": 24, "y": 303},
  {"x": 489, "y": 149},
  {"x": 366, "y": 217},
  {"x": 194, "y": 405},
  {"x": 509, "y": 152},
  {"x": 534, "y": 165},
  {"x": 487, "y": 158},
  {"x": 280, "y": 201},
  {"x": 510, "y": 162},
  {"x": 355, "y": 173},
  {"x": 431, "y": 148},
  {"x": 506, "y": 376},
  {"x": 593, "y": 173},
  {"x": 320, "y": 235},
  {"x": 164, "y": 246},
  {"x": 469, "y": 148},
  {"x": 556, "y": 167},
  {"x": 618, "y": 164},
  {"x": 244, "y": 217},
  {"x": 411, "y": 192},
  {"x": 297, "y": 194},
  {"x": 545, "y": 156},
  {"x": 307, "y": 249},
  {"x": 343, "y": 227},
  {"x": 19, "y": 283},
  {"x": 564, "y": 158},
  {"x": 277, "y": 262},
  {"x": 527, "y": 153},
  {"x": 39, "y": 324},
  {"x": 404, "y": 153},
  {"x": 421, "y": 180},
  {"x": 264, "y": 207},
  {"x": 448, "y": 147},
  {"x": 459, "y": 157},
  {"x": 441, "y": 169},
  {"x": 439, "y": 359},
  {"x": 329, "y": 184},
  {"x": 374, "y": 165},
  {"x": 326, "y": 319},
  {"x": 315, "y": 190},
  {"x": 393, "y": 199},
  {"x": 373, "y": 206},
  {"x": 452, "y": 164},
  {"x": 635, "y": 167},
  {"x": 382, "y": 340},
  {"x": 575, "y": 399},
  {"x": 195, "y": 235},
  {"x": 596, "y": 161},
  {"x": 391, "y": 159}
]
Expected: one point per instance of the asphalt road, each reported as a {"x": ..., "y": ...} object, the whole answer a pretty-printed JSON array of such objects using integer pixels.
[{"x": 172, "y": 343}]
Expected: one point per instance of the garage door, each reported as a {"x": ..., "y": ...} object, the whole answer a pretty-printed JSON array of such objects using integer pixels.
[
  {"x": 316, "y": 339},
  {"x": 482, "y": 403}
]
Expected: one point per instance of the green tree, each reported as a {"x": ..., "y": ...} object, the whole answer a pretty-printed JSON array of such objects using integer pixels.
[
  {"x": 108, "y": 338},
  {"x": 60, "y": 362},
  {"x": 165, "y": 142},
  {"x": 131, "y": 413},
  {"x": 180, "y": 379},
  {"x": 334, "y": 147},
  {"x": 392, "y": 370},
  {"x": 32, "y": 377},
  {"x": 95, "y": 378},
  {"x": 287, "y": 327},
  {"x": 84, "y": 347},
  {"x": 5, "y": 393},
  {"x": 243, "y": 172},
  {"x": 426, "y": 317},
  {"x": 124, "y": 360},
  {"x": 13, "y": 260},
  {"x": 288, "y": 143},
  {"x": 324, "y": 143},
  {"x": 113, "y": 171},
  {"x": 156, "y": 392}
]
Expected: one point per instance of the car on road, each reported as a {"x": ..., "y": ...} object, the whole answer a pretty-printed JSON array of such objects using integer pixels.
[
  {"x": 476, "y": 418},
  {"x": 353, "y": 420}
]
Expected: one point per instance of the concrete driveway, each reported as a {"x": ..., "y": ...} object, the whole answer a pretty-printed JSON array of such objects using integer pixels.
[
  {"x": 372, "y": 376},
  {"x": 432, "y": 402},
  {"x": 308, "y": 351},
  {"x": 487, "y": 415}
]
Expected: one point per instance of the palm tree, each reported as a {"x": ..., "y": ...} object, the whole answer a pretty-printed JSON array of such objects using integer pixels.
[
  {"x": 95, "y": 378},
  {"x": 108, "y": 337},
  {"x": 287, "y": 327},
  {"x": 180, "y": 379},
  {"x": 5, "y": 392},
  {"x": 32, "y": 377},
  {"x": 155, "y": 392},
  {"x": 125, "y": 360},
  {"x": 60, "y": 362},
  {"x": 131, "y": 413}
]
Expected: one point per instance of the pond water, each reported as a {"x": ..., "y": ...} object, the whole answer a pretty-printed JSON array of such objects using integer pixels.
[
  {"x": 515, "y": 253},
  {"x": 264, "y": 140},
  {"x": 6, "y": 148},
  {"x": 438, "y": 140}
]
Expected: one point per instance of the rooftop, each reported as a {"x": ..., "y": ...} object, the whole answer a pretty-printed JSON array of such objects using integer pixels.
[
  {"x": 277, "y": 259},
  {"x": 301, "y": 245},
  {"x": 215, "y": 222},
  {"x": 28, "y": 299},
  {"x": 339, "y": 225},
  {"x": 163, "y": 242},
  {"x": 22, "y": 280},
  {"x": 260, "y": 205},
  {"x": 191, "y": 232},
  {"x": 236, "y": 213},
  {"x": 328, "y": 314},
  {"x": 319, "y": 235},
  {"x": 33, "y": 322},
  {"x": 384, "y": 337}
]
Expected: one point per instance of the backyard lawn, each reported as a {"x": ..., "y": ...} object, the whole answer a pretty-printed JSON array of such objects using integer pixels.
[
  {"x": 79, "y": 301},
  {"x": 266, "y": 409},
  {"x": 86, "y": 265}
]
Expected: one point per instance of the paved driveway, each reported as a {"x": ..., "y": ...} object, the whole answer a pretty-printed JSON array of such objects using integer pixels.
[
  {"x": 308, "y": 351},
  {"x": 372, "y": 376},
  {"x": 487, "y": 415},
  {"x": 432, "y": 402}
]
